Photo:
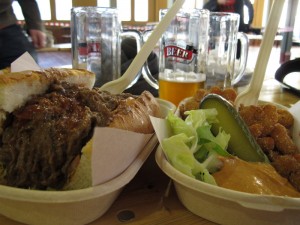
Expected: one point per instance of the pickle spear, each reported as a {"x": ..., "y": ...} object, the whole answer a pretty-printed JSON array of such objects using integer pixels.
[{"x": 241, "y": 144}]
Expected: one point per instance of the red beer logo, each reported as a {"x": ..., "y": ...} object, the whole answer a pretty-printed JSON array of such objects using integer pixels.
[
  {"x": 175, "y": 51},
  {"x": 82, "y": 49},
  {"x": 94, "y": 47}
]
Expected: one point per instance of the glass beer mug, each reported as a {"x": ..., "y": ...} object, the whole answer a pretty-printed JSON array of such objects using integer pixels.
[
  {"x": 96, "y": 35},
  {"x": 223, "y": 68},
  {"x": 182, "y": 52}
]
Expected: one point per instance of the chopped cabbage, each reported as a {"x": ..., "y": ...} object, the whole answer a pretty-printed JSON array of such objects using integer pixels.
[{"x": 192, "y": 148}]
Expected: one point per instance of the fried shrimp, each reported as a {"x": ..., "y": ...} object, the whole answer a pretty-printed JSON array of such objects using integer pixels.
[
  {"x": 189, "y": 105},
  {"x": 199, "y": 95},
  {"x": 285, "y": 118},
  {"x": 267, "y": 144},
  {"x": 270, "y": 127},
  {"x": 193, "y": 103},
  {"x": 268, "y": 121},
  {"x": 265, "y": 115},
  {"x": 249, "y": 114},
  {"x": 229, "y": 94},
  {"x": 285, "y": 164},
  {"x": 256, "y": 129},
  {"x": 268, "y": 124},
  {"x": 268, "y": 117},
  {"x": 288, "y": 166},
  {"x": 283, "y": 141}
]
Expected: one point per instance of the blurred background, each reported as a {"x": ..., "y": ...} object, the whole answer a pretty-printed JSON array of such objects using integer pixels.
[{"x": 143, "y": 15}]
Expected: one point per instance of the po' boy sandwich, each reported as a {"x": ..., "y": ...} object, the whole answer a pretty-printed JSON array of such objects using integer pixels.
[{"x": 47, "y": 117}]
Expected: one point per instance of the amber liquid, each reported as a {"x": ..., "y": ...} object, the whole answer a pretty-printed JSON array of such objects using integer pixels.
[{"x": 175, "y": 90}]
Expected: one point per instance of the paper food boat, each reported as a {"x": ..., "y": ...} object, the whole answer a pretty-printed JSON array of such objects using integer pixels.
[
  {"x": 228, "y": 207},
  {"x": 117, "y": 156},
  {"x": 76, "y": 206}
]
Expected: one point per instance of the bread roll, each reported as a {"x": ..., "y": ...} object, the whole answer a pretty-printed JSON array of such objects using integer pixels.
[
  {"x": 51, "y": 119},
  {"x": 82, "y": 176},
  {"x": 133, "y": 113},
  {"x": 5, "y": 71},
  {"x": 17, "y": 88},
  {"x": 22, "y": 85}
]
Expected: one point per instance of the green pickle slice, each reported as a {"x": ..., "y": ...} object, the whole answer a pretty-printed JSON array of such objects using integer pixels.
[{"x": 241, "y": 144}]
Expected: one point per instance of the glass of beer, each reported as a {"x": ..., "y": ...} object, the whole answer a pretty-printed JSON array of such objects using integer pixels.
[
  {"x": 227, "y": 51},
  {"x": 182, "y": 54}
]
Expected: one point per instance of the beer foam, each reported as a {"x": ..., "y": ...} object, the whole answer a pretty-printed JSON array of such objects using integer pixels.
[{"x": 181, "y": 76}]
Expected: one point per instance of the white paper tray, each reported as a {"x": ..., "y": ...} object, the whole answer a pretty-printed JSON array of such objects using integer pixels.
[
  {"x": 74, "y": 207},
  {"x": 67, "y": 207},
  {"x": 228, "y": 207}
]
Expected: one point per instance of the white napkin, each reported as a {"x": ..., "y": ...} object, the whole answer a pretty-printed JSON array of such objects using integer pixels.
[
  {"x": 24, "y": 62},
  {"x": 295, "y": 111}
]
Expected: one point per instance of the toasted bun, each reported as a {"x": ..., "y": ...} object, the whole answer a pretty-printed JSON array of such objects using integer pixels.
[
  {"x": 5, "y": 71},
  {"x": 133, "y": 113},
  {"x": 17, "y": 88},
  {"x": 82, "y": 176}
]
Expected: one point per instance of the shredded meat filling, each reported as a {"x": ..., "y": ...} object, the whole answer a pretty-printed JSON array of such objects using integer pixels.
[{"x": 43, "y": 139}]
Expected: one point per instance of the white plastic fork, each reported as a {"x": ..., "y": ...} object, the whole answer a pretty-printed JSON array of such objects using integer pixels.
[
  {"x": 119, "y": 85},
  {"x": 251, "y": 94}
]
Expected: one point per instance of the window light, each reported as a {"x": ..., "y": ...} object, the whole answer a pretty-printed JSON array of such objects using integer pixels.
[
  {"x": 124, "y": 8},
  {"x": 63, "y": 9},
  {"x": 44, "y": 7},
  {"x": 141, "y": 10}
]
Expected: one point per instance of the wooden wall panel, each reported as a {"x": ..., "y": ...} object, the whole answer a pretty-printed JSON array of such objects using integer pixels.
[
  {"x": 258, "y": 13},
  {"x": 160, "y": 4},
  {"x": 85, "y": 3}
]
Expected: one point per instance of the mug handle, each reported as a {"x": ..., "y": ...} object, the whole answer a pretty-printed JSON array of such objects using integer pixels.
[
  {"x": 139, "y": 41},
  {"x": 243, "y": 59},
  {"x": 147, "y": 75}
]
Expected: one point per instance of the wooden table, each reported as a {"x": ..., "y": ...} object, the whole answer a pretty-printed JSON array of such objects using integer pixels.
[
  {"x": 272, "y": 91},
  {"x": 255, "y": 39},
  {"x": 147, "y": 198},
  {"x": 57, "y": 47}
]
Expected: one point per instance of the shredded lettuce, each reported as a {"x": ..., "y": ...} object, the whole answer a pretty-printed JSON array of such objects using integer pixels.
[
  {"x": 179, "y": 126},
  {"x": 192, "y": 148}
]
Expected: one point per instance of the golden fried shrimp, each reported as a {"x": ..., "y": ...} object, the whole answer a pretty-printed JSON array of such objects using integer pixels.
[
  {"x": 297, "y": 157},
  {"x": 288, "y": 166},
  {"x": 191, "y": 104},
  {"x": 248, "y": 113},
  {"x": 216, "y": 90},
  {"x": 267, "y": 144},
  {"x": 294, "y": 178},
  {"x": 256, "y": 130},
  {"x": 200, "y": 94},
  {"x": 285, "y": 118},
  {"x": 268, "y": 117},
  {"x": 285, "y": 165},
  {"x": 230, "y": 94},
  {"x": 181, "y": 110},
  {"x": 283, "y": 141}
]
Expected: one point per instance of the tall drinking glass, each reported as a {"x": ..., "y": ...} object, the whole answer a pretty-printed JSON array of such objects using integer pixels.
[
  {"x": 96, "y": 35},
  {"x": 182, "y": 53},
  {"x": 222, "y": 67}
]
